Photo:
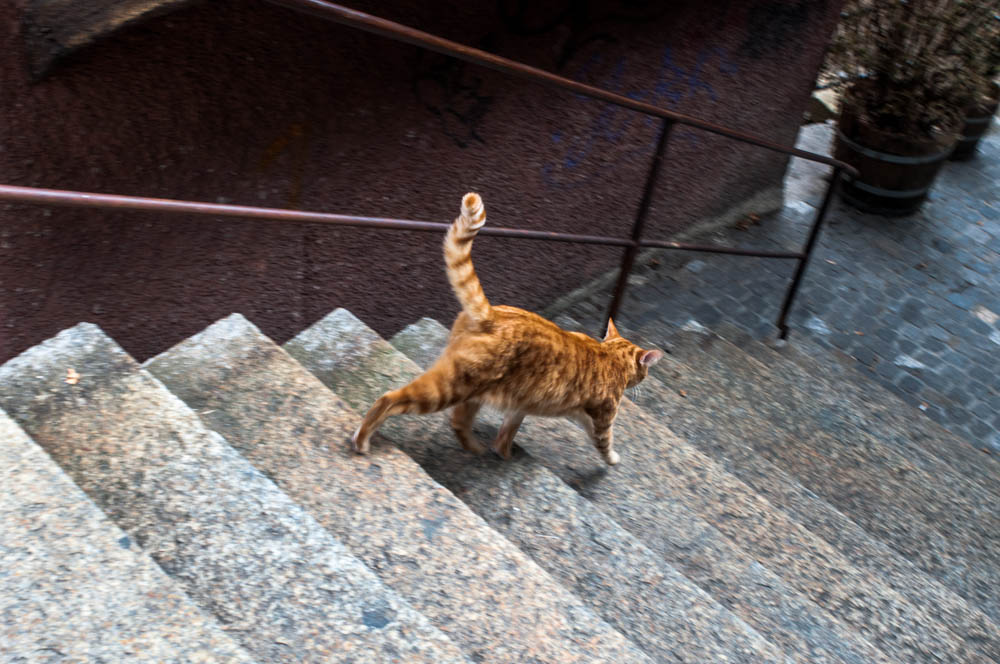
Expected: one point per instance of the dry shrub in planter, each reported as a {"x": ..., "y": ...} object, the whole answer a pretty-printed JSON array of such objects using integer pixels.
[
  {"x": 906, "y": 70},
  {"x": 977, "y": 120},
  {"x": 984, "y": 67}
]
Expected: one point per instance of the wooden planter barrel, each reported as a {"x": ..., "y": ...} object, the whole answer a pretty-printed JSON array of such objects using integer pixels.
[
  {"x": 976, "y": 124},
  {"x": 896, "y": 173}
]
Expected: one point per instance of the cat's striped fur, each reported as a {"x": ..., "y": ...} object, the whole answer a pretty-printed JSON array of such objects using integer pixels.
[{"x": 514, "y": 360}]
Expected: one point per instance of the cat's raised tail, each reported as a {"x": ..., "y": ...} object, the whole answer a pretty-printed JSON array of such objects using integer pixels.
[{"x": 458, "y": 258}]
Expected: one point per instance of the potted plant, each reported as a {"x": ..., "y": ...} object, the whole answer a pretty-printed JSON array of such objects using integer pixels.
[
  {"x": 983, "y": 63},
  {"x": 905, "y": 85}
]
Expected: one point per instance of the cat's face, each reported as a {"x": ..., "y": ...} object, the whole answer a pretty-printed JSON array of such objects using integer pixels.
[{"x": 641, "y": 359}]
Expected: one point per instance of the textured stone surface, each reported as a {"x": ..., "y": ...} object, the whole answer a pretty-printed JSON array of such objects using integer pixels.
[
  {"x": 904, "y": 629},
  {"x": 76, "y": 588},
  {"x": 707, "y": 506},
  {"x": 863, "y": 402},
  {"x": 626, "y": 583},
  {"x": 912, "y": 300},
  {"x": 949, "y": 519},
  {"x": 704, "y": 427},
  {"x": 806, "y": 563},
  {"x": 482, "y": 591},
  {"x": 280, "y": 585}
]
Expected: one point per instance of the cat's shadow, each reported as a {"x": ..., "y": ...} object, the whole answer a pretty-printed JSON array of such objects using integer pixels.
[
  {"x": 586, "y": 479},
  {"x": 582, "y": 479}
]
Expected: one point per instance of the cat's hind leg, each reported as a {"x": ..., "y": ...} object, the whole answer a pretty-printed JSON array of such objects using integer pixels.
[
  {"x": 504, "y": 442},
  {"x": 462, "y": 417},
  {"x": 426, "y": 394}
]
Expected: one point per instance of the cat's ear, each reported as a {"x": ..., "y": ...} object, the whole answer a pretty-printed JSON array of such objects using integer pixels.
[
  {"x": 612, "y": 332},
  {"x": 650, "y": 357}
]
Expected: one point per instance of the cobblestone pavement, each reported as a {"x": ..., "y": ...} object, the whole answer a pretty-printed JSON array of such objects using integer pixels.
[{"x": 915, "y": 300}]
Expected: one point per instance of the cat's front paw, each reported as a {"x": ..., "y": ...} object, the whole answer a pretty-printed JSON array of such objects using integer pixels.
[
  {"x": 505, "y": 452},
  {"x": 360, "y": 446},
  {"x": 474, "y": 446},
  {"x": 612, "y": 458},
  {"x": 469, "y": 442}
]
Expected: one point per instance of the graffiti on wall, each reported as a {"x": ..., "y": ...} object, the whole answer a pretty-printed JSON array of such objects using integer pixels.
[
  {"x": 452, "y": 92},
  {"x": 456, "y": 95},
  {"x": 604, "y": 135},
  {"x": 576, "y": 24},
  {"x": 773, "y": 24}
]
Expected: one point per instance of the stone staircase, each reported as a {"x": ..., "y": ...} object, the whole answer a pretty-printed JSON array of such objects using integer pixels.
[{"x": 771, "y": 506}]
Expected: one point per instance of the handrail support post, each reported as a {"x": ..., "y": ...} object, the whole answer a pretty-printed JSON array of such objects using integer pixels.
[
  {"x": 793, "y": 287},
  {"x": 628, "y": 257}
]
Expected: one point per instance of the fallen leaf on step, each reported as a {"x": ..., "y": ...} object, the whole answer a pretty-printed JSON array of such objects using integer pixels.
[
  {"x": 72, "y": 377},
  {"x": 683, "y": 393}
]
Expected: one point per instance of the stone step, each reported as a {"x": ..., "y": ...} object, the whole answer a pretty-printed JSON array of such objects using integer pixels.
[
  {"x": 74, "y": 587},
  {"x": 925, "y": 306},
  {"x": 482, "y": 591},
  {"x": 904, "y": 288},
  {"x": 863, "y": 402},
  {"x": 702, "y": 506},
  {"x": 900, "y": 627},
  {"x": 628, "y": 585},
  {"x": 282, "y": 587},
  {"x": 874, "y": 485},
  {"x": 686, "y": 415},
  {"x": 938, "y": 281}
]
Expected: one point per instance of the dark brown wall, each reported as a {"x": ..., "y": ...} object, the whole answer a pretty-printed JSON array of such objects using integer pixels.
[{"x": 243, "y": 102}]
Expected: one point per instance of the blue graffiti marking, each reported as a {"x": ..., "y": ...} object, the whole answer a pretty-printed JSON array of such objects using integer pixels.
[{"x": 673, "y": 84}]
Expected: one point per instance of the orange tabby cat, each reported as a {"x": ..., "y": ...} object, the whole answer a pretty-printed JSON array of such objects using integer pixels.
[{"x": 514, "y": 360}]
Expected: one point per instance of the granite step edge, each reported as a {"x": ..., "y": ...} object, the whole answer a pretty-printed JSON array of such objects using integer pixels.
[
  {"x": 884, "y": 241},
  {"x": 942, "y": 407},
  {"x": 777, "y": 538},
  {"x": 865, "y": 551},
  {"x": 416, "y": 535},
  {"x": 240, "y": 548},
  {"x": 75, "y": 584},
  {"x": 947, "y": 500},
  {"x": 893, "y": 421},
  {"x": 974, "y": 462},
  {"x": 723, "y": 436},
  {"x": 425, "y": 339},
  {"x": 628, "y": 585}
]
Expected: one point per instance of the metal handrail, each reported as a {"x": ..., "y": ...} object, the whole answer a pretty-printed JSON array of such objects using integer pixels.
[
  {"x": 397, "y": 31},
  {"x": 380, "y": 26},
  {"x": 86, "y": 199},
  {"x": 350, "y": 17}
]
